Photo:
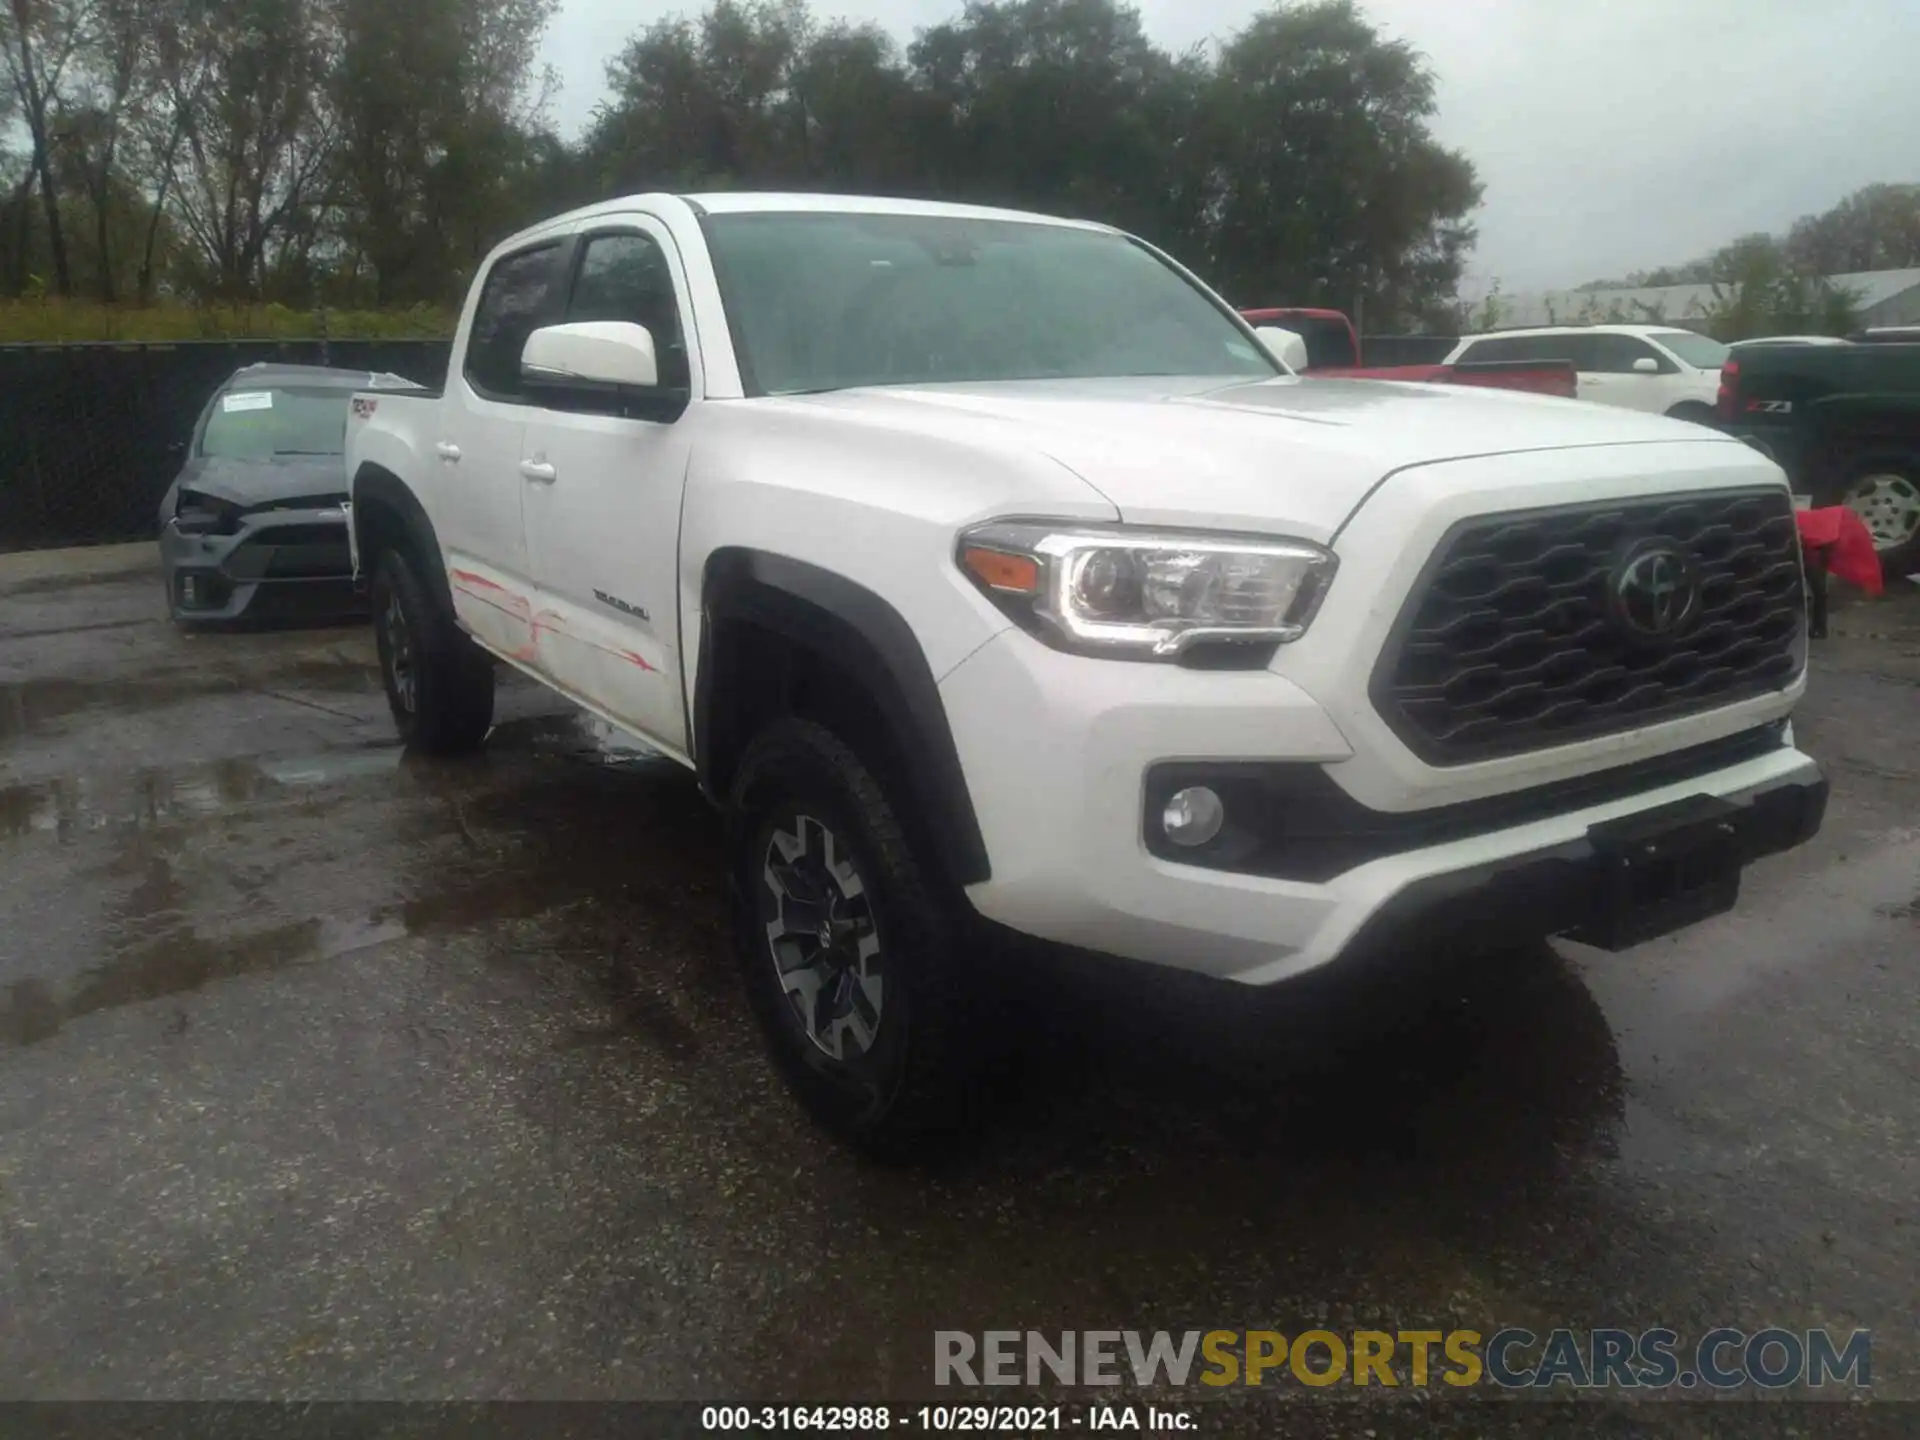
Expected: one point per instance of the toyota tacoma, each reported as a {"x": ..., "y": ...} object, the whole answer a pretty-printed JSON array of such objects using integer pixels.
[{"x": 971, "y": 596}]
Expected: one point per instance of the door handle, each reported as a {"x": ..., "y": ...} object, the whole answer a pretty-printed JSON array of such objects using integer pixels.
[
  {"x": 447, "y": 451},
  {"x": 538, "y": 470}
]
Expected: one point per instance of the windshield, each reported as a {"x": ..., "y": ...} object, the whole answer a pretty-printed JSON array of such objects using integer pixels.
[
  {"x": 827, "y": 301},
  {"x": 1700, "y": 351},
  {"x": 260, "y": 424}
]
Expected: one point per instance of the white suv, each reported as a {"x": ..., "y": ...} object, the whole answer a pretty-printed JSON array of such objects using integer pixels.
[
  {"x": 970, "y": 594},
  {"x": 1655, "y": 368}
]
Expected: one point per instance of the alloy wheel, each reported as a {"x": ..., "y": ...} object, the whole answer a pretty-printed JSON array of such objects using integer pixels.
[
  {"x": 821, "y": 935},
  {"x": 401, "y": 668}
]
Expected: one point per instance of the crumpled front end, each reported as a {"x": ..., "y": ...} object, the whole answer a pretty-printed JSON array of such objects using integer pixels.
[{"x": 277, "y": 562}]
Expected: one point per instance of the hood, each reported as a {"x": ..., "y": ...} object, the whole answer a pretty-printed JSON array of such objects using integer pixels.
[
  {"x": 1299, "y": 452},
  {"x": 321, "y": 479}
]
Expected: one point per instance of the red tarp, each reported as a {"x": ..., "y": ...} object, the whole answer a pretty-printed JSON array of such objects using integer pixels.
[{"x": 1845, "y": 543}]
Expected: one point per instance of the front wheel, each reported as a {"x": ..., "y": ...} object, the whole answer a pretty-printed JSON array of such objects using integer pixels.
[
  {"x": 851, "y": 957},
  {"x": 1886, "y": 496},
  {"x": 439, "y": 683}
]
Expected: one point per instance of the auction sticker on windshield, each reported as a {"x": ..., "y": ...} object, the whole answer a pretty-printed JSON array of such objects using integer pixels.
[{"x": 247, "y": 400}]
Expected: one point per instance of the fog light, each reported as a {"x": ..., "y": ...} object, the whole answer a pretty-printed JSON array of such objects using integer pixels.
[
  {"x": 1193, "y": 816},
  {"x": 190, "y": 590}
]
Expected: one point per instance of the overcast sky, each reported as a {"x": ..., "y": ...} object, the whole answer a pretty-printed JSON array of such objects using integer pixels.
[{"x": 1611, "y": 135}]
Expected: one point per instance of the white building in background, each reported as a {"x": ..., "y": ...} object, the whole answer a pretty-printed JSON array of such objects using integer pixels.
[{"x": 1884, "y": 297}]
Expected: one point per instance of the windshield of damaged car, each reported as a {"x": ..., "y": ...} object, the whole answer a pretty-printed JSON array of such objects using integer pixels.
[
  {"x": 827, "y": 301},
  {"x": 259, "y": 424}
]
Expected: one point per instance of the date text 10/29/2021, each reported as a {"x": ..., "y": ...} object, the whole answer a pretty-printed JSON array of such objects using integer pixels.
[{"x": 976, "y": 1419}]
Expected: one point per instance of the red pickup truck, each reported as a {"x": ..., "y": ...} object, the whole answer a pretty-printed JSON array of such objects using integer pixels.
[{"x": 1333, "y": 349}]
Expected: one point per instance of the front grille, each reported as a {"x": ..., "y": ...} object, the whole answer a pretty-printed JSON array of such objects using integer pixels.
[
  {"x": 1509, "y": 641},
  {"x": 301, "y": 534},
  {"x": 309, "y": 562}
]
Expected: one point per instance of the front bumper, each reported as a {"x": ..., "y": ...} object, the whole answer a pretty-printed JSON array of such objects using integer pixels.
[
  {"x": 276, "y": 565},
  {"x": 1059, "y": 751}
]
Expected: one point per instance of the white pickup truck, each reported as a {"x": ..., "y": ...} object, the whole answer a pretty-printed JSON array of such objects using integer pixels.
[{"x": 988, "y": 565}]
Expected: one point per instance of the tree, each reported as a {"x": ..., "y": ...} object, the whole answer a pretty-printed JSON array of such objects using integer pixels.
[
  {"x": 258, "y": 142},
  {"x": 1333, "y": 190},
  {"x": 434, "y": 99},
  {"x": 1877, "y": 228},
  {"x": 112, "y": 75},
  {"x": 1058, "y": 105},
  {"x": 39, "y": 39},
  {"x": 1297, "y": 166},
  {"x": 184, "y": 42}
]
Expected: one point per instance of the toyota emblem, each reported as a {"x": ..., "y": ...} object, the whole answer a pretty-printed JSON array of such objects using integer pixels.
[{"x": 1656, "y": 592}]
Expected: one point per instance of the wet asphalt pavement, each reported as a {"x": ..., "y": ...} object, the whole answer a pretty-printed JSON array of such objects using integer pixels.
[{"x": 328, "y": 1073}]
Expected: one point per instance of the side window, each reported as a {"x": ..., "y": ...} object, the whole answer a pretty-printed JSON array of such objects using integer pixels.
[
  {"x": 1582, "y": 350},
  {"x": 1633, "y": 348},
  {"x": 510, "y": 306},
  {"x": 1618, "y": 352},
  {"x": 1491, "y": 350},
  {"x": 1554, "y": 347},
  {"x": 625, "y": 276}
]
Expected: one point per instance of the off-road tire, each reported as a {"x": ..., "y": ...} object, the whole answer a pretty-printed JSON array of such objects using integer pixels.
[
  {"x": 912, "y": 1084},
  {"x": 439, "y": 683}
]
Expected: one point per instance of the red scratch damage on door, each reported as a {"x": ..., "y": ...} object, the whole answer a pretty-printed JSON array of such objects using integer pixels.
[
  {"x": 475, "y": 587},
  {"x": 550, "y": 622}
]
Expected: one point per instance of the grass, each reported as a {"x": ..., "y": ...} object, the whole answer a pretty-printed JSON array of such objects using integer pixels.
[{"x": 52, "y": 321}]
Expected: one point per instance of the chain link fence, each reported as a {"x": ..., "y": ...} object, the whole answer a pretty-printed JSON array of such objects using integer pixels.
[{"x": 92, "y": 435}]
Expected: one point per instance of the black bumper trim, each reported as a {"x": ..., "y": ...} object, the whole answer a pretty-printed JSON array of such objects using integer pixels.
[
  {"x": 1561, "y": 890},
  {"x": 1292, "y": 821}
]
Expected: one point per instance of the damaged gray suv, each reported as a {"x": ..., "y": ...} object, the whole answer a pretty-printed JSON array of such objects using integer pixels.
[{"x": 255, "y": 526}]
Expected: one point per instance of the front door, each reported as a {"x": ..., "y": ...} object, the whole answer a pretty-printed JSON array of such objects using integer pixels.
[
  {"x": 603, "y": 477},
  {"x": 1607, "y": 373}
]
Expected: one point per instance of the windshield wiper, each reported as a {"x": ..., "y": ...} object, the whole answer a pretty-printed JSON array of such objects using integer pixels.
[{"x": 306, "y": 452}]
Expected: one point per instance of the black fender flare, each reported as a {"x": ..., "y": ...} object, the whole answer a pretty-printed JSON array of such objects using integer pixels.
[
  {"x": 863, "y": 634},
  {"x": 375, "y": 484}
]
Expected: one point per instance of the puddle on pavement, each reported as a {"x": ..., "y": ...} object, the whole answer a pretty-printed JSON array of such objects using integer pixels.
[
  {"x": 176, "y": 962},
  {"x": 72, "y": 805},
  {"x": 40, "y": 706},
  {"x": 558, "y": 835}
]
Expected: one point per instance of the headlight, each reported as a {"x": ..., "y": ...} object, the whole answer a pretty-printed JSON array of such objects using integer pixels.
[
  {"x": 198, "y": 514},
  {"x": 1146, "y": 594}
]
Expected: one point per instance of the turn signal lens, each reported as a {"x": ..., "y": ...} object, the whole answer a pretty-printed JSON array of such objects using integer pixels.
[{"x": 997, "y": 570}]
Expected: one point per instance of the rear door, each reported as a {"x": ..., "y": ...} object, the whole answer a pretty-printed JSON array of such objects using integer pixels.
[
  {"x": 477, "y": 452},
  {"x": 602, "y": 477}
]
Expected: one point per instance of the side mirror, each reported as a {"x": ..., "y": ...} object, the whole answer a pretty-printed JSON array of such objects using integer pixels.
[
  {"x": 1284, "y": 345},
  {"x": 603, "y": 352},
  {"x": 1646, "y": 365}
]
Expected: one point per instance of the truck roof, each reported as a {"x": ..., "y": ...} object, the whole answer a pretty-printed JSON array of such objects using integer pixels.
[
  {"x": 1600, "y": 328},
  {"x": 751, "y": 202}
]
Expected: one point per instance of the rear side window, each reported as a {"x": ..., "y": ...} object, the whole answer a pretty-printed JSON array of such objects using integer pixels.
[
  {"x": 1579, "y": 349},
  {"x": 511, "y": 304},
  {"x": 1508, "y": 347},
  {"x": 625, "y": 276}
]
